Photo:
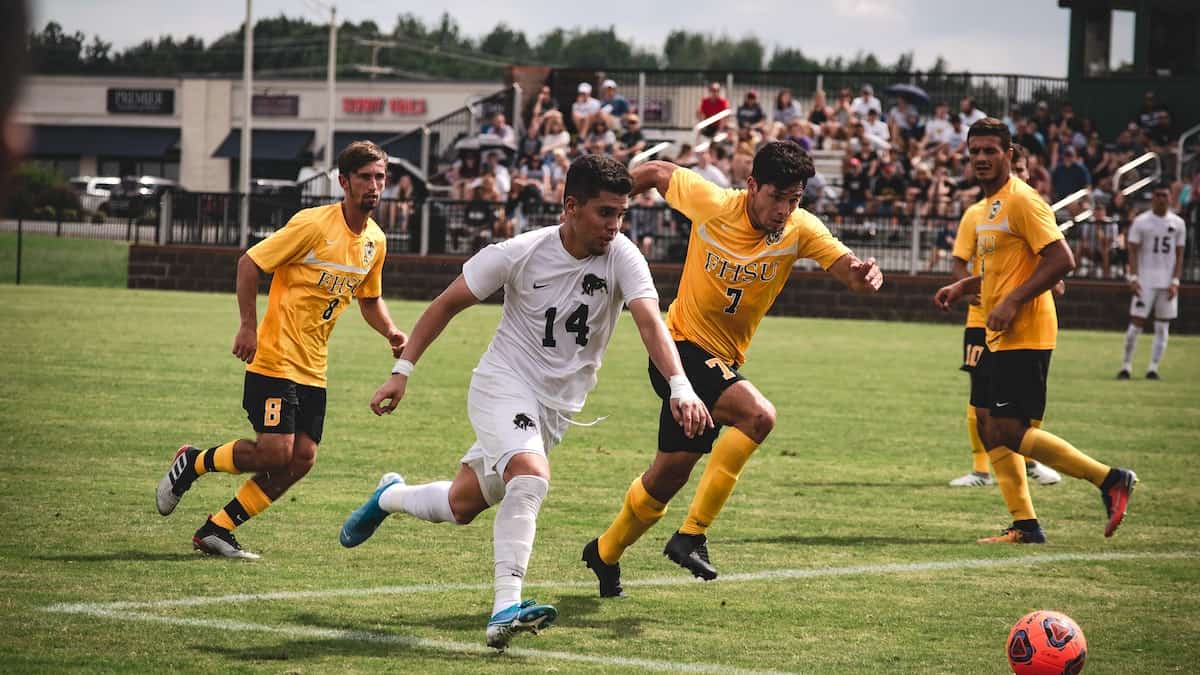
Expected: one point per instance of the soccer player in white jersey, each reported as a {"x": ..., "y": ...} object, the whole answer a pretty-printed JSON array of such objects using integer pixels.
[
  {"x": 1155, "y": 240},
  {"x": 563, "y": 291}
]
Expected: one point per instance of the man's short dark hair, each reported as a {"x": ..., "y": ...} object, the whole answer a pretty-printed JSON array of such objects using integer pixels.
[
  {"x": 592, "y": 174},
  {"x": 783, "y": 164},
  {"x": 357, "y": 155},
  {"x": 990, "y": 126}
]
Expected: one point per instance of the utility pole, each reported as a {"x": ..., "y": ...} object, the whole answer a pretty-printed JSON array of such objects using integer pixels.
[
  {"x": 247, "y": 126},
  {"x": 330, "y": 84}
]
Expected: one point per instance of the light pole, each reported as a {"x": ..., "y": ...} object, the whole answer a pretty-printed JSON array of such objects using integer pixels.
[
  {"x": 330, "y": 84},
  {"x": 247, "y": 130}
]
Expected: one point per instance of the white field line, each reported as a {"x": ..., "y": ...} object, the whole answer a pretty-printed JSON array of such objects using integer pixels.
[
  {"x": 676, "y": 580},
  {"x": 446, "y": 646}
]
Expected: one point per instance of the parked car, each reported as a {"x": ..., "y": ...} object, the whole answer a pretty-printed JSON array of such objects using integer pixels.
[
  {"x": 94, "y": 186},
  {"x": 137, "y": 197}
]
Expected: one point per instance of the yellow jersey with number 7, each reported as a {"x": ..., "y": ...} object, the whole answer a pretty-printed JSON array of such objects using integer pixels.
[
  {"x": 734, "y": 272},
  {"x": 319, "y": 264}
]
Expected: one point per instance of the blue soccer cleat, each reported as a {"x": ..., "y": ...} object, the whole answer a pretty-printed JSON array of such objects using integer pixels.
[
  {"x": 362, "y": 523},
  {"x": 527, "y": 617}
]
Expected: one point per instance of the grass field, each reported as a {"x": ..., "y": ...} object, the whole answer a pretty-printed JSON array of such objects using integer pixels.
[
  {"x": 853, "y": 554},
  {"x": 64, "y": 261}
]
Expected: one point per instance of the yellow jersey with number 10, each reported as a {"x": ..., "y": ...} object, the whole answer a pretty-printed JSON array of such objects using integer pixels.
[
  {"x": 734, "y": 272},
  {"x": 1016, "y": 225},
  {"x": 319, "y": 264}
]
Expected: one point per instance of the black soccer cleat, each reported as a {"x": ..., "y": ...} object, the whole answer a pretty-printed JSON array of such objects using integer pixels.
[
  {"x": 212, "y": 539},
  {"x": 609, "y": 576},
  {"x": 690, "y": 551},
  {"x": 1115, "y": 492},
  {"x": 1152, "y": 375},
  {"x": 177, "y": 480}
]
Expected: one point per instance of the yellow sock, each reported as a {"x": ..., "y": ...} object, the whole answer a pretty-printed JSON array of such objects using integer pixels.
[
  {"x": 249, "y": 502},
  {"x": 979, "y": 457},
  {"x": 219, "y": 458},
  {"x": 729, "y": 455},
  {"x": 638, "y": 513},
  {"x": 1058, "y": 454},
  {"x": 1009, "y": 468}
]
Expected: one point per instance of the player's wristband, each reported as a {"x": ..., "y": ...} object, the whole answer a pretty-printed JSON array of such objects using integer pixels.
[
  {"x": 403, "y": 367},
  {"x": 1131, "y": 278},
  {"x": 1175, "y": 281},
  {"x": 681, "y": 388}
]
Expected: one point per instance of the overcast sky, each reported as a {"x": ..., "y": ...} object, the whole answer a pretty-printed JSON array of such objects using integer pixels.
[{"x": 969, "y": 33}]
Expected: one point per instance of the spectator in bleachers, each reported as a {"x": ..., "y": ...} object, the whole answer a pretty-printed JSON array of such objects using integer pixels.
[
  {"x": 956, "y": 140},
  {"x": 917, "y": 194},
  {"x": 968, "y": 112},
  {"x": 463, "y": 172},
  {"x": 1096, "y": 158},
  {"x": 938, "y": 128},
  {"x": 499, "y": 127},
  {"x": 584, "y": 109},
  {"x": 1154, "y": 118},
  {"x": 644, "y": 219},
  {"x": 1097, "y": 237},
  {"x": 711, "y": 105},
  {"x": 631, "y": 141},
  {"x": 1027, "y": 136},
  {"x": 493, "y": 165},
  {"x": 744, "y": 149},
  {"x": 707, "y": 167},
  {"x": 865, "y": 102},
  {"x": 1039, "y": 177},
  {"x": 941, "y": 193},
  {"x": 842, "y": 117},
  {"x": 913, "y": 130},
  {"x": 1013, "y": 118},
  {"x": 787, "y": 108},
  {"x": 800, "y": 132},
  {"x": 875, "y": 126},
  {"x": 889, "y": 191},
  {"x": 820, "y": 116},
  {"x": 614, "y": 105},
  {"x": 1066, "y": 138},
  {"x": 551, "y": 132},
  {"x": 1042, "y": 121},
  {"x": 855, "y": 186},
  {"x": 544, "y": 103},
  {"x": 557, "y": 172},
  {"x": 479, "y": 215},
  {"x": 750, "y": 112},
  {"x": 898, "y": 116},
  {"x": 1066, "y": 115},
  {"x": 1069, "y": 176},
  {"x": 600, "y": 139},
  {"x": 686, "y": 157},
  {"x": 943, "y": 244}
]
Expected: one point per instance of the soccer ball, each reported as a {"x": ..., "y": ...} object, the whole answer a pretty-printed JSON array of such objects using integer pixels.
[{"x": 1046, "y": 643}]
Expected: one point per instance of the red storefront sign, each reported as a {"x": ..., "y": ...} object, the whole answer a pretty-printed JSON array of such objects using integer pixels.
[{"x": 373, "y": 106}]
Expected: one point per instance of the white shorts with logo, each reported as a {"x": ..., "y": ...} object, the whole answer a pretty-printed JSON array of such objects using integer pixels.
[
  {"x": 1165, "y": 308},
  {"x": 508, "y": 420}
]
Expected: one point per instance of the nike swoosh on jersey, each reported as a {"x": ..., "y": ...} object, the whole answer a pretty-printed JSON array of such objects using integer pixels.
[{"x": 537, "y": 286}]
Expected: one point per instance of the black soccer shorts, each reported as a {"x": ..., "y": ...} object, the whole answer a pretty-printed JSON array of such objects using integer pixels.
[
  {"x": 710, "y": 377},
  {"x": 278, "y": 406},
  {"x": 1017, "y": 383},
  {"x": 975, "y": 363}
]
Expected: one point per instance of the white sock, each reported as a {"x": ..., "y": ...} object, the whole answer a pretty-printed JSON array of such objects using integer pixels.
[
  {"x": 512, "y": 536},
  {"x": 430, "y": 501},
  {"x": 1160, "y": 344},
  {"x": 1131, "y": 336}
]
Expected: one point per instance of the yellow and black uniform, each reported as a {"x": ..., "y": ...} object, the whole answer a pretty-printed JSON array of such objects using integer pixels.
[
  {"x": 1015, "y": 225},
  {"x": 975, "y": 334},
  {"x": 319, "y": 264},
  {"x": 732, "y": 275}
]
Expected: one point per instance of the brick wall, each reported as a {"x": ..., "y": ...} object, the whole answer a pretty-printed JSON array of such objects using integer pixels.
[{"x": 1101, "y": 305}]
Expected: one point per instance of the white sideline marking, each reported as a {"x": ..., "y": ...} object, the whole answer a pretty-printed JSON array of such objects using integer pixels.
[
  {"x": 677, "y": 580},
  {"x": 421, "y": 643}
]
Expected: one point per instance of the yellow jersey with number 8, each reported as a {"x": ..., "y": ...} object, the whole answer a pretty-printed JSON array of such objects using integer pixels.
[
  {"x": 319, "y": 265},
  {"x": 734, "y": 272},
  {"x": 1015, "y": 227}
]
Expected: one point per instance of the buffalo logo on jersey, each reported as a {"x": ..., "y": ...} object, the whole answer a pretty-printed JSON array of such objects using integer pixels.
[
  {"x": 593, "y": 283},
  {"x": 522, "y": 421},
  {"x": 368, "y": 253},
  {"x": 737, "y": 272},
  {"x": 774, "y": 236},
  {"x": 994, "y": 209}
]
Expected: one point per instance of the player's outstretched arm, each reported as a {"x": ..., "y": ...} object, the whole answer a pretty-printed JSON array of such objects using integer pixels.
[
  {"x": 860, "y": 276},
  {"x": 245, "y": 342},
  {"x": 375, "y": 313},
  {"x": 653, "y": 174},
  {"x": 687, "y": 408},
  {"x": 433, "y": 321}
]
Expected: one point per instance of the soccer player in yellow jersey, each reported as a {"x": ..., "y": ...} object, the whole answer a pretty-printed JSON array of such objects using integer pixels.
[
  {"x": 1021, "y": 255},
  {"x": 974, "y": 345},
  {"x": 742, "y": 248},
  {"x": 321, "y": 259}
]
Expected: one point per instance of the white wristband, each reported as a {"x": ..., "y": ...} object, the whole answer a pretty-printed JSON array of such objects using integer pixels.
[
  {"x": 681, "y": 388},
  {"x": 1131, "y": 278},
  {"x": 403, "y": 367},
  {"x": 1175, "y": 281}
]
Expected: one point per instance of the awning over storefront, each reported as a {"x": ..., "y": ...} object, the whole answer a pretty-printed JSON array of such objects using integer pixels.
[
  {"x": 137, "y": 142},
  {"x": 273, "y": 144}
]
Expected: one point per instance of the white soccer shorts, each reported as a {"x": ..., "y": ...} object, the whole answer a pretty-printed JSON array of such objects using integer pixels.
[
  {"x": 1165, "y": 308},
  {"x": 508, "y": 420}
]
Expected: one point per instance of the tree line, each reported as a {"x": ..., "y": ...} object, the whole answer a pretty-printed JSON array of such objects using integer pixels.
[{"x": 297, "y": 47}]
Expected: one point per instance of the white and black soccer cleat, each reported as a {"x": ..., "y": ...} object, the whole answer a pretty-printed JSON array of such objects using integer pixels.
[
  {"x": 212, "y": 539},
  {"x": 178, "y": 479}
]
